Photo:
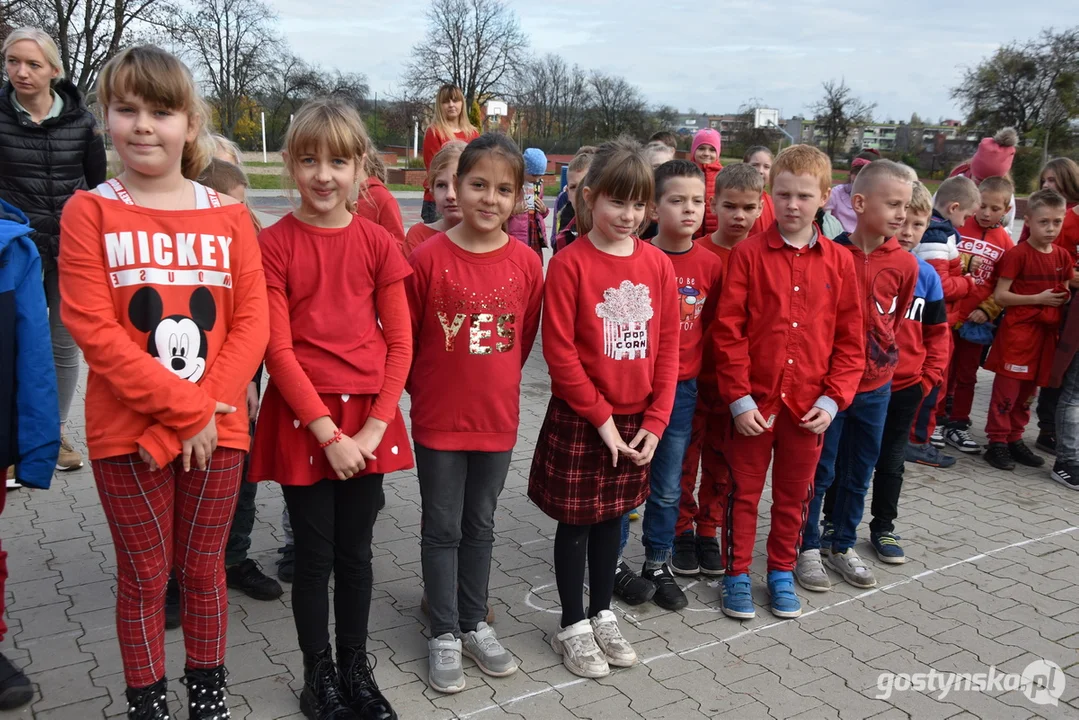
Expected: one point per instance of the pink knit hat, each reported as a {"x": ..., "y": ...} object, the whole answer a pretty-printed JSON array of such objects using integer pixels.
[
  {"x": 994, "y": 155},
  {"x": 708, "y": 136}
]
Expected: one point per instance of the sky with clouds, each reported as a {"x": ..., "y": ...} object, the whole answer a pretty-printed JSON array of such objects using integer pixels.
[{"x": 711, "y": 56}]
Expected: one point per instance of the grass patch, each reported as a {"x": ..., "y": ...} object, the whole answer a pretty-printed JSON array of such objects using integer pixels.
[
  {"x": 259, "y": 163},
  {"x": 259, "y": 181}
]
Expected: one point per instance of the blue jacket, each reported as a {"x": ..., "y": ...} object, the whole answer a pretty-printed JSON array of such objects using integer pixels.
[{"x": 29, "y": 410}]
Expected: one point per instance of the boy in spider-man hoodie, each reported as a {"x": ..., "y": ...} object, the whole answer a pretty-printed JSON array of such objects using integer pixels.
[
  {"x": 705, "y": 152},
  {"x": 983, "y": 240},
  {"x": 29, "y": 410},
  {"x": 956, "y": 201}
]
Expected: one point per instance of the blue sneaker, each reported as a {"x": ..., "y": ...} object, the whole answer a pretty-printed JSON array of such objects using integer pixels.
[
  {"x": 785, "y": 602},
  {"x": 888, "y": 548},
  {"x": 827, "y": 534},
  {"x": 926, "y": 454},
  {"x": 737, "y": 597}
]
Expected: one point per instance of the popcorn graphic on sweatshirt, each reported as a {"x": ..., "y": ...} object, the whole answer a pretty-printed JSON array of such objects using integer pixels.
[{"x": 625, "y": 312}]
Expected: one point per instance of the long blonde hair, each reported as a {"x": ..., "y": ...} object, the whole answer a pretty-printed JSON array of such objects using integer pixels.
[
  {"x": 441, "y": 123},
  {"x": 160, "y": 79},
  {"x": 331, "y": 123},
  {"x": 43, "y": 40}
]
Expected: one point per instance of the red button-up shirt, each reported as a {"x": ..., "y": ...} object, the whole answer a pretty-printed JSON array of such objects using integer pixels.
[{"x": 788, "y": 330}]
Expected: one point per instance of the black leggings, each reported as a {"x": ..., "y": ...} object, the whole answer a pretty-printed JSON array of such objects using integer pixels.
[
  {"x": 572, "y": 544},
  {"x": 332, "y": 522}
]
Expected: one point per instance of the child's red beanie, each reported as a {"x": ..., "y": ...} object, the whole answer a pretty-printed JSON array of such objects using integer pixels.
[
  {"x": 991, "y": 159},
  {"x": 708, "y": 136}
]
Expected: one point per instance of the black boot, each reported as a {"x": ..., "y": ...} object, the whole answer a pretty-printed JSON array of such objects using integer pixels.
[
  {"x": 321, "y": 698},
  {"x": 206, "y": 698},
  {"x": 148, "y": 703},
  {"x": 358, "y": 685}
]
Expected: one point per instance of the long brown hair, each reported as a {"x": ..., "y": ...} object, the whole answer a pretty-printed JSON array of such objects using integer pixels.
[
  {"x": 1067, "y": 172},
  {"x": 441, "y": 123}
]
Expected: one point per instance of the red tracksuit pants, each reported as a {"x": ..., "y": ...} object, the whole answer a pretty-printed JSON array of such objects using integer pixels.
[
  {"x": 962, "y": 378},
  {"x": 796, "y": 454},
  {"x": 704, "y": 512},
  {"x": 1009, "y": 408},
  {"x": 159, "y": 519}
]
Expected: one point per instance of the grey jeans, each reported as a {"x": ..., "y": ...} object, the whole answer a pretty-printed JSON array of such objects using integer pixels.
[
  {"x": 1068, "y": 417},
  {"x": 65, "y": 353},
  {"x": 459, "y": 493}
]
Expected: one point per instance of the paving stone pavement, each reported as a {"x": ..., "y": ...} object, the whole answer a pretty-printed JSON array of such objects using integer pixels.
[{"x": 992, "y": 580}]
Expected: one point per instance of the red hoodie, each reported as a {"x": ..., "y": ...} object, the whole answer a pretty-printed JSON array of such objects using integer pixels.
[
  {"x": 886, "y": 280},
  {"x": 989, "y": 244},
  {"x": 711, "y": 222},
  {"x": 377, "y": 204}
]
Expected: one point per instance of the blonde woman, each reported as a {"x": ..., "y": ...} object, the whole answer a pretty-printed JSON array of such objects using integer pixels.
[
  {"x": 49, "y": 148},
  {"x": 450, "y": 123}
]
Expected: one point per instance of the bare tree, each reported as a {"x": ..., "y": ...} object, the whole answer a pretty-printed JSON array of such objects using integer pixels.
[
  {"x": 618, "y": 107},
  {"x": 232, "y": 43},
  {"x": 838, "y": 112},
  {"x": 89, "y": 32},
  {"x": 551, "y": 97},
  {"x": 1031, "y": 86},
  {"x": 474, "y": 44}
]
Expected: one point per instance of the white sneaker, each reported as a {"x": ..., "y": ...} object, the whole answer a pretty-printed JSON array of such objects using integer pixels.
[
  {"x": 580, "y": 654},
  {"x": 609, "y": 638},
  {"x": 937, "y": 438},
  {"x": 851, "y": 567},
  {"x": 961, "y": 439}
]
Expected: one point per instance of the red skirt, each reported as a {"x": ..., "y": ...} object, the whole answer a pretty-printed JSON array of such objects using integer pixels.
[
  {"x": 572, "y": 479},
  {"x": 288, "y": 453}
]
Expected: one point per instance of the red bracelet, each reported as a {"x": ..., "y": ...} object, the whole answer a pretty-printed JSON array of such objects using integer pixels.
[{"x": 336, "y": 438}]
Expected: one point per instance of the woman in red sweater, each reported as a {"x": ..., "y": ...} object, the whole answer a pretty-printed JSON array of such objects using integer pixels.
[
  {"x": 162, "y": 288},
  {"x": 450, "y": 123},
  {"x": 610, "y": 338},
  {"x": 442, "y": 179},
  {"x": 330, "y": 428},
  {"x": 475, "y": 296}
]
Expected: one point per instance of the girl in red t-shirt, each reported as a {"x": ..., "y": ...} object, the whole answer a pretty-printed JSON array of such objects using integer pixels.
[
  {"x": 375, "y": 202},
  {"x": 475, "y": 297},
  {"x": 450, "y": 123},
  {"x": 760, "y": 159},
  {"x": 610, "y": 338},
  {"x": 163, "y": 290},
  {"x": 441, "y": 178},
  {"x": 330, "y": 428}
]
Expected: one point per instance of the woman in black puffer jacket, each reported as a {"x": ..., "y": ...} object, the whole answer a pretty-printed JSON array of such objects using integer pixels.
[{"x": 49, "y": 148}]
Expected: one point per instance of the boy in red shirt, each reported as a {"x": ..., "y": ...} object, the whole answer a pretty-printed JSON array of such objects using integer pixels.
[
  {"x": 705, "y": 153},
  {"x": 737, "y": 205},
  {"x": 957, "y": 199},
  {"x": 886, "y": 276},
  {"x": 790, "y": 350},
  {"x": 678, "y": 213},
  {"x": 1033, "y": 280},
  {"x": 982, "y": 243}
]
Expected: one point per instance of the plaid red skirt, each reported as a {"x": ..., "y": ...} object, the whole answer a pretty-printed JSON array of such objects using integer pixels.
[{"x": 572, "y": 479}]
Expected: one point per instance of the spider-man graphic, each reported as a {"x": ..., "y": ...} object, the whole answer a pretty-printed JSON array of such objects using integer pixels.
[{"x": 881, "y": 351}]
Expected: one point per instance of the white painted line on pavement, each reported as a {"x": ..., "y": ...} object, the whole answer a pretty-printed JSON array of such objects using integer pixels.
[{"x": 769, "y": 626}]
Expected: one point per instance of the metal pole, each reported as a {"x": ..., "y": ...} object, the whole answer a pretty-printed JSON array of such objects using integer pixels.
[
  {"x": 263, "y": 137},
  {"x": 415, "y": 139}
]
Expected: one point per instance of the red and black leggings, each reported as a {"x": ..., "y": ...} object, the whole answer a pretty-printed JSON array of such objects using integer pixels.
[{"x": 159, "y": 519}]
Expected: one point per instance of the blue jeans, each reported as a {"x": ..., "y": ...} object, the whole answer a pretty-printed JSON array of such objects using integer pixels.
[
  {"x": 665, "y": 477},
  {"x": 849, "y": 454},
  {"x": 1067, "y": 416}
]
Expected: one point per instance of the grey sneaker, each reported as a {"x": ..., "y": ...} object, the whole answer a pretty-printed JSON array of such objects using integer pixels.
[
  {"x": 851, "y": 567},
  {"x": 483, "y": 646},
  {"x": 580, "y": 654},
  {"x": 810, "y": 572},
  {"x": 609, "y": 638},
  {"x": 444, "y": 661}
]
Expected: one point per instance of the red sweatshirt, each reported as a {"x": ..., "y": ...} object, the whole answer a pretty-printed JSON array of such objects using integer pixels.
[
  {"x": 417, "y": 234},
  {"x": 474, "y": 319},
  {"x": 611, "y": 333},
  {"x": 711, "y": 222},
  {"x": 886, "y": 279},
  {"x": 377, "y": 204},
  {"x": 325, "y": 333},
  {"x": 989, "y": 244},
  {"x": 788, "y": 330},
  {"x": 433, "y": 140},
  {"x": 698, "y": 275},
  {"x": 169, "y": 308}
]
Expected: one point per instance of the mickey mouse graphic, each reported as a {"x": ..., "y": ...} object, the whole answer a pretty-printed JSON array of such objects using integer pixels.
[{"x": 177, "y": 341}]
